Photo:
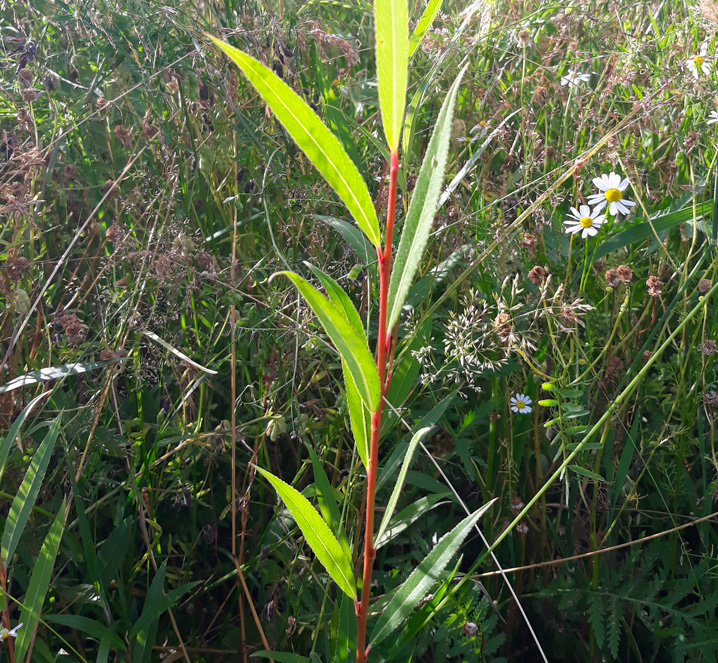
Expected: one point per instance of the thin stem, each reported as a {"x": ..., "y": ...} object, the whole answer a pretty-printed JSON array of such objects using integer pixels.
[{"x": 362, "y": 607}]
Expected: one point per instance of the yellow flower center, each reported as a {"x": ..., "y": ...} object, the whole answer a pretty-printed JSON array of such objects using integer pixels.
[
  {"x": 613, "y": 195},
  {"x": 520, "y": 405},
  {"x": 586, "y": 222},
  {"x": 698, "y": 60}
]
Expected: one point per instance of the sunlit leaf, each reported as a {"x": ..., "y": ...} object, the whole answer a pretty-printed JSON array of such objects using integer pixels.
[
  {"x": 352, "y": 346},
  {"x": 422, "y": 208},
  {"x": 422, "y": 27},
  {"x": 53, "y": 373},
  {"x": 392, "y": 62},
  {"x": 328, "y": 550},
  {"x": 320, "y": 145},
  {"x": 359, "y": 416}
]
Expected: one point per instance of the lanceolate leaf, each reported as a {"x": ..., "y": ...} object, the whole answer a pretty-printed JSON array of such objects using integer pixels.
[
  {"x": 39, "y": 583},
  {"x": 422, "y": 27},
  {"x": 398, "y": 487},
  {"x": 317, "y": 533},
  {"x": 351, "y": 344},
  {"x": 424, "y": 576},
  {"x": 24, "y": 501},
  {"x": 320, "y": 145},
  {"x": 359, "y": 416},
  {"x": 15, "y": 429},
  {"x": 339, "y": 298},
  {"x": 422, "y": 207},
  {"x": 392, "y": 62}
]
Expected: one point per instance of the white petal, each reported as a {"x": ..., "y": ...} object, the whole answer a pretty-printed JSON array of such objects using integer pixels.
[
  {"x": 613, "y": 208},
  {"x": 584, "y": 234},
  {"x": 628, "y": 203},
  {"x": 622, "y": 186},
  {"x": 526, "y": 410},
  {"x": 592, "y": 231},
  {"x": 600, "y": 183},
  {"x": 585, "y": 210},
  {"x": 694, "y": 71},
  {"x": 599, "y": 220},
  {"x": 600, "y": 204},
  {"x": 573, "y": 230},
  {"x": 596, "y": 198},
  {"x": 514, "y": 408},
  {"x": 622, "y": 208},
  {"x": 704, "y": 48},
  {"x": 614, "y": 179},
  {"x": 706, "y": 68},
  {"x": 576, "y": 213},
  {"x": 527, "y": 400}
]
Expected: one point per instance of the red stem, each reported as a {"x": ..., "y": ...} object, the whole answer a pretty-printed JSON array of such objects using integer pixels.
[{"x": 381, "y": 361}]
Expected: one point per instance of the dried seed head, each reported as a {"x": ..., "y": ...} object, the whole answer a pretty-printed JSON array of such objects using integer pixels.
[
  {"x": 704, "y": 285},
  {"x": 612, "y": 278},
  {"x": 470, "y": 629},
  {"x": 537, "y": 275},
  {"x": 30, "y": 94},
  {"x": 625, "y": 273},
  {"x": 567, "y": 316},
  {"x": 16, "y": 268},
  {"x": 646, "y": 356},
  {"x": 124, "y": 135},
  {"x": 709, "y": 347},
  {"x": 654, "y": 286},
  {"x": 529, "y": 241},
  {"x": 541, "y": 96},
  {"x": 710, "y": 398}
]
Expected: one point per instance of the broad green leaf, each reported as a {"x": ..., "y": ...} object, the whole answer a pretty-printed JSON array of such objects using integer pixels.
[
  {"x": 320, "y": 145},
  {"x": 317, "y": 533},
  {"x": 359, "y": 416},
  {"x": 399, "y": 485},
  {"x": 353, "y": 236},
  {"x": 327, "y": 503},
  {"x": 339, "y": 298},
  {"x": 281, "y": 656},
  {"x": 39, "y": 583},
  {"x": 351, "y": 345},
  {"x": 24, "y": 501},
  {"x": 15, "y": 429},
  {"x": 422, "y": 208},
  {"x": 392, "y": 64},
  {"x": 422, "y": 578},
  {"x": 422, "y": 27},
  {"x": 410, "y": 514}
]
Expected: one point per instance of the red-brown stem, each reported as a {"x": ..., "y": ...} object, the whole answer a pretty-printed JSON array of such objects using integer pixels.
[{"x": 381, "y": 361}]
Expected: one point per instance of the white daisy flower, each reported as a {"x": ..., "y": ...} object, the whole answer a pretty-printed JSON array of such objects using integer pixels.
[
  {"x": 574, "y": 79},
  {"x": 712, "y": 118},
  {"x": 584, "y": 221},
  {"x": 611, "y": 188},
  {"x": 699, "y": 63},
  {"x": 521, "y": 403}
]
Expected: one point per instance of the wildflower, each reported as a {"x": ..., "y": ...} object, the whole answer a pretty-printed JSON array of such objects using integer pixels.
[
  {"x": 712, "y": 118},
  {"x": 654, "y": 286},
  {"x": 699, "y": 63},
  {"x": 574, "y": 79},
  {"x": 12, "y": 633},
  {"x": 584, "y": 221},
  {"x": 521, "y": 403},
  {"x": 611, "y": 189}
]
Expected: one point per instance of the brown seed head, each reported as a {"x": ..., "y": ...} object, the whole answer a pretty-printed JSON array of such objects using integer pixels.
[
  {"x": 612, "y": 278},
  {"x": 704, "y": 285},
  {"x": 625, "y": 273},
  {"x": 654, "y": 286},
  {"x": 537, "y": 275}
]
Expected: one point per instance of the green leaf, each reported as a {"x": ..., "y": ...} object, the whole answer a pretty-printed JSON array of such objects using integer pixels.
[
  {"x": 422, "y": 208},
  {"x": 320, "y": 145},
  {"x": 422, "y": 578},
  {"x": 317, "y": 533},
  {"x": 585, "y": 473},
  {"x": 327, "y": 503},
  {"x": 281, "y": 656},
  {"x": 24, "y": 501},
  {"x": 422, "y": 27},
  {"x": 392, "y": 64},
  {"x": 15, "y": 429},
  {"x": 346, "y": 639},
  {"x": 351, "y": 345},
  {"x": 92, "y": 627},
  {"x": 399, "y": 485},
  {"x": 410, "y": 514},
  {"x": 39, "y": 583},
  {"x": 339, "y": 298},
  {"x": 352, "y": 236},
  {"x": 359, "y": 416}
]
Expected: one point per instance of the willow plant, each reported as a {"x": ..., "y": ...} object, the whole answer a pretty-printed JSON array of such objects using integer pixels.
[{"x": 367, "y": 376}]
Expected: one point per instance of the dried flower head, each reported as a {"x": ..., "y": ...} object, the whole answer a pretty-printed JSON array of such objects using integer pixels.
[
  {"x": 709, "y": 347},
  {"x": 16, "y": 268},
  {"x": 654, "y": 286},
  {"x": 73, "y": 328},
  {"x": 704, "y": 285},
  {"x": 124, "y": 135},
  {"x": 612, "y": 278},
  {"x": 624, "y": 273},
  {"x": 470, "y": 629},
  {"x": 537, "y": 275},
  {"x": 710, "y": 398}
]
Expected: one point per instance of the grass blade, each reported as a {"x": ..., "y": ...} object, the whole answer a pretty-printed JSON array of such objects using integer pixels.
[
  {"x": 417, "y": 585},
  {"x": 392, "y": 64},
  {"x": 422, "y": 208},
  {"x": 320, "y": 145},
  {"x": 39, "y": 583},
  {"x": 15, "y": 429},
  {"x": 329, "y": 552},
  {"x": 351, "y": 345},
  {"x": 24, "y": 501}
]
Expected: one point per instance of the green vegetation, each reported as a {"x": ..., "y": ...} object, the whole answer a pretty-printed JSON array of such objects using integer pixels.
[{"x": 514, "y": 456}]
